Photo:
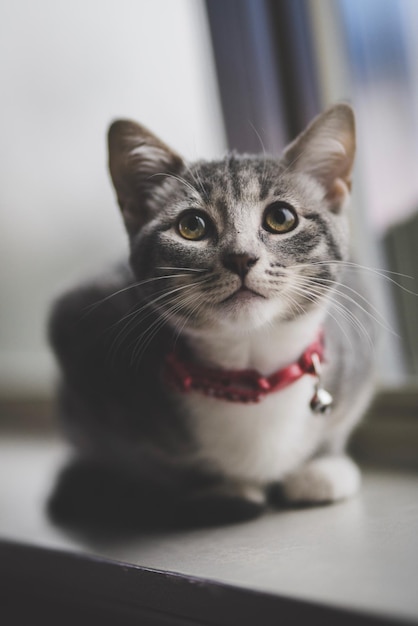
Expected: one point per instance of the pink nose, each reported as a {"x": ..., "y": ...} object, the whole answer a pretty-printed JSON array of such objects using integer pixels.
[{"x": 239, "y": 263}]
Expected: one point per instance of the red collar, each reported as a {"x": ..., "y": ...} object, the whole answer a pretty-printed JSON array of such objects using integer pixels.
[{"x": 237, "y": 385}]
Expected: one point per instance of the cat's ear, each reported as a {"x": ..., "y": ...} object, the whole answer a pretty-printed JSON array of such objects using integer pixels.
[
  {"x": 325, "y": 150},
  {"x": 138, "y": 162}
]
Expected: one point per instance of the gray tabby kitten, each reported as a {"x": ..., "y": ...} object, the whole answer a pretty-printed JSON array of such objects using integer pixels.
[{"x": 235, "y": 265}]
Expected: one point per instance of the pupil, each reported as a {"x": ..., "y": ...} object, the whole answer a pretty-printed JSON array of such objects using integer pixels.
[
  {"x": 280, "y": 216},
  {"x": 192, "y": 226}
]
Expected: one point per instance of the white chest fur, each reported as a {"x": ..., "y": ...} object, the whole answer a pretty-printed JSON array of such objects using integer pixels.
[{"x": 258, "y": 442}]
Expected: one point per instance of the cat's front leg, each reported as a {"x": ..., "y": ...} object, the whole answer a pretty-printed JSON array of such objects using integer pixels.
[{"x": 321, "y": 480}]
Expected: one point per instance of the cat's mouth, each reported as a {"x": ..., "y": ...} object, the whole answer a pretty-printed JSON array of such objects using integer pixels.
[{"x": 244, "y": 293}]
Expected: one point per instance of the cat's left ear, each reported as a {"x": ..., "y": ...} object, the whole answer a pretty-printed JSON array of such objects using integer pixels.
[
  {"x": 325, "y": 150},
  {"x": 138, "y": 162}
]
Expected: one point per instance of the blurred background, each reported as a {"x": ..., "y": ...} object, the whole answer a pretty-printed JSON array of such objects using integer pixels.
[{"x": 207, "y": 77}]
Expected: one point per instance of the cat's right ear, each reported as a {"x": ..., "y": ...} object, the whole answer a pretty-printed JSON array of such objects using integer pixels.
[
  {"x": 138, "y": 161},
  {"x": 325, "y": 150}
]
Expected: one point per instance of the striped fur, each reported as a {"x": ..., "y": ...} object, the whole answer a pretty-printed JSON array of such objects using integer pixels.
[{"x": 110, "y": 336}]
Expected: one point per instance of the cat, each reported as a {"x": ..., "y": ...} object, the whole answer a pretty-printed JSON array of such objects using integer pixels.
[{"x": 238, "y": 268}]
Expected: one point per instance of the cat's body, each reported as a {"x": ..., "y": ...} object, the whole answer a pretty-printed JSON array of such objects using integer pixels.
[{"x": 238, "y": 264}]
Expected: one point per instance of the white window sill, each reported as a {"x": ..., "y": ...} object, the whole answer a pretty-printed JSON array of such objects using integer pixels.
[{"x": 343, "y": 564}]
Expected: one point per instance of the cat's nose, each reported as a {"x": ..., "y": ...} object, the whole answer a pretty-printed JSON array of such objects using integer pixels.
[{"x": 239, "y": 263}]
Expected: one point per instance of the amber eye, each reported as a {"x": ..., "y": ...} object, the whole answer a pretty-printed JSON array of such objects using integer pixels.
[
  {"x": 279, "y": 218},
  {"x": 193, "y": 226}
]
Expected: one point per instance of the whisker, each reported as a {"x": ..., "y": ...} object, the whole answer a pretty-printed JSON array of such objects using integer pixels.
[
  {"x": 263, "y": 174},
  {"x": 304, "y": 287},
  {"x": 180, "y": 179},
  {"x": 337, "y": 284},
  {"x": 189, "y": 269},
  {"x": 303, "y": 292},
  {"x": 337, "y": 288},
  {"x": 134, "y": 318},
  {"x": 180, "y": 328},
  {"x": 150, "y": 303},
  {"x": 164, "y": 318},
  {"x": 93, "y": 306},
  {"x": 168, "y": 303},
  {"x": 148, "y": 332},
  {"x": 197, "y": 180},
  {"x": 382, "y": 273}
]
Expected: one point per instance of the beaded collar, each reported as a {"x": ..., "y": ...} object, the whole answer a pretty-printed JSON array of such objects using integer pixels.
[{"x": 245, "y": 386}]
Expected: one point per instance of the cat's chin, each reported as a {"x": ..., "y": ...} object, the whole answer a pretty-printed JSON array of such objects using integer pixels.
[
  {"x": 248, "y": 310},
  {"x": 242, "y": 296}
]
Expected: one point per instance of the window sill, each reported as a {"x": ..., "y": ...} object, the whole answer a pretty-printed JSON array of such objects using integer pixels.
[{"x": 352, "y": 563}]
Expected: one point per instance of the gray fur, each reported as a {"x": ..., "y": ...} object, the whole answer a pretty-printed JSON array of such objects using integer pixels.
[{"x": 110, "y": 336}]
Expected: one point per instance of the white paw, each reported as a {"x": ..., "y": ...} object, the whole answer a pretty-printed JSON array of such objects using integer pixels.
[
  {"x": 325, "y": 479},
  {"x": 254, "y": 494},
  {"x": 249, "y": 492}
]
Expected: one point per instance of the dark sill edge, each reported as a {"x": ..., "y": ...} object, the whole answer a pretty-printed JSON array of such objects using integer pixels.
[{"x": 54, "y": 587}]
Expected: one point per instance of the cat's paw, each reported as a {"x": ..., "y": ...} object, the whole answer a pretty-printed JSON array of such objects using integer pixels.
[
  {"x": 224, "y": 503},
  {"x": 322, "y": 480}
]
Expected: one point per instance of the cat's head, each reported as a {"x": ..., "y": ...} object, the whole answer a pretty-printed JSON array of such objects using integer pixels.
[{"x": 243, "y": 240}]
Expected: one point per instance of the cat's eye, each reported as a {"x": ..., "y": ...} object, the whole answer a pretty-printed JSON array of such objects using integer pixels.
[
  {"x": 279, "y": 218},
  {"x": 193, "y": 226}
]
